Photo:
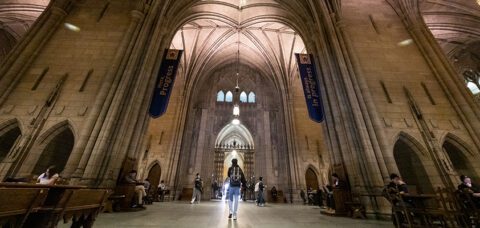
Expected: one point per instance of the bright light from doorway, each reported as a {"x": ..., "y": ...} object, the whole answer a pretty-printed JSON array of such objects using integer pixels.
[{"x": 235, "y": 121}]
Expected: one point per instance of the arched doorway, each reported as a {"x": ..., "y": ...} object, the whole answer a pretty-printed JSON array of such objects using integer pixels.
[
  {"x": 411, "y": 167},
  {"x": 458, "y": 159},
  {"x": 311, "y": 179},
  {"x": 154, "y": 177},
  {"x": 233, "y": 141},
  {"x": 56, "y": 152},
  {"x": 8, "y": 137}
]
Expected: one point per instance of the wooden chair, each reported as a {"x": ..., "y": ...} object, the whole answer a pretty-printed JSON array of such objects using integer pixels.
[
  {"x": 404, "y": 215},
  {"x": 470, "y": 210},
  {"x": 126, "y": 193},
  {"x": 341, "y": 196},
  {"x": 16, "y": 204},
  {"x": 451, "y": 208}
]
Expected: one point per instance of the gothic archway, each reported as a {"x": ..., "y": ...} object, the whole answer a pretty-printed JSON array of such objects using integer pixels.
[
  {"x": 154, "y": 176},
  {"x": 411, "y": 167},
  {"x": 457, "y": 154},
  {"x": 233, "y": 141},
  {"x": 56, "y": 152},
  {"x": 9, "y": 134},
  {"x": 311, "y": 179}
]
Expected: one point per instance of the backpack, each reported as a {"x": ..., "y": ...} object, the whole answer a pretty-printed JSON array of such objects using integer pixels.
[{"x": 235, "y": 177}]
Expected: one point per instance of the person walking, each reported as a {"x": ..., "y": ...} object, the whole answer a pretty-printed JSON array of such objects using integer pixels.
[
  {"x": 261, "y": 188},
  {"x": 197, "y": 189},
  {"x": 237, "y": 179}
]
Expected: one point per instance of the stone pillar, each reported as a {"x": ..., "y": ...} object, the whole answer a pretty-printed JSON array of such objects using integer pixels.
[
  {"x": 373, "y": 123},
  {"x": 105, "y": 101}
]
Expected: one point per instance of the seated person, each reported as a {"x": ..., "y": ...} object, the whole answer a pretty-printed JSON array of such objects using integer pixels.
[
  {"x": 146, "y": 184},
  {"x": 329, "y": 196},
  {"x": 319, "y": 197},
  {"x": 274, "y": 193},
  {"x": 49, "y": 177},
  {"x": 393, "y": 190},
  {"x": 468, "y": 187},
  {"x": 131, "y": 178},
  {"x": 302, "y": 195},
  {"x": 161, "y": 190}
]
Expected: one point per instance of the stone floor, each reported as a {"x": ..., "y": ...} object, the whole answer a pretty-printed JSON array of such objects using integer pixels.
[{"x": 214, "y": 214}]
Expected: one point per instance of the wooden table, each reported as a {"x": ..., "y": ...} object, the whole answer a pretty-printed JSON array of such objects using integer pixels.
[{"x": 418, "y": 200}]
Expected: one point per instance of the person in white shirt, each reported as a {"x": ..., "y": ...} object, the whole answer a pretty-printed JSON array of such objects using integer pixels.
[
  {"x": 48, "y": 177},
  {"x": 161, "y": 190}
]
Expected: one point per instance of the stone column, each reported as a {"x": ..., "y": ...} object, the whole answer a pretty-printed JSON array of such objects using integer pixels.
[
  {"x": 376, "y": 133},
  {"x": 104, "y": 100}
]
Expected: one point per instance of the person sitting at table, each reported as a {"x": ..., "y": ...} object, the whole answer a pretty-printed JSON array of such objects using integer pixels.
[
  {"x": 468, "y": 187},
  {"x": 274, "y": 193},
  {"x": 49, "y": 177},
  {"x": 398, "y": 183},
  {"x": 131, "y": 178},
  {"x": 161, "y": 190},
  {"x": 302, "y": 195},
  {"x": 319, "y": 197},
  {"x": 395, "y": 188}
]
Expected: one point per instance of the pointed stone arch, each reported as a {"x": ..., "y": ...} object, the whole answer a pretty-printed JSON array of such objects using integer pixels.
[
  {"x": 460, "y": 156},
  {"x": 311, "y": 177},
  {"x": 154, "y": 175},
  {"x": 410, "y": 158},
  {"x": 10, "y": 133},
  {"x": 53, "y": 147}
]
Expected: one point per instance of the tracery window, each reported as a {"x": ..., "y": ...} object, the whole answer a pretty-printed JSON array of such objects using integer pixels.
[
  {"x": 220, "y": 96},
  {"x": 251, "y": 97},
  {"x": 229, "y": 97},
  {"x": 243, "y": 97},
  {"x": 472, "y": 78}
]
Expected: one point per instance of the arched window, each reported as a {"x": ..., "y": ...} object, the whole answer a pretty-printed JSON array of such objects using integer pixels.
[
  {"x": 474, "y": 88},
  {"x": 472, "y": 78},
  {"x": 229, "y": 97},
  {"x": 220, "y": 96},
  {"x": 243, "y": 97},
  {"x": 251, "y": 97}
]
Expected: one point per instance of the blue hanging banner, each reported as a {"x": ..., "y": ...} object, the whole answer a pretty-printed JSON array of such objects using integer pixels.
[
  {"x": 311, "y": 89},
  {"x": 165, "y": 81}
]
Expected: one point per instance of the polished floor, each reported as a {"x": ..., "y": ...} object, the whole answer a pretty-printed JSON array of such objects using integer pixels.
[{"x": 214, "y": 214}]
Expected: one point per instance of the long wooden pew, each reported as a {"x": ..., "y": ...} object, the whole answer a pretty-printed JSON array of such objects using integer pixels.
[
  {"x": 45, "y": 205},
  {"x": 83, "y": 206},
  {"x": 16, "y": 204}
]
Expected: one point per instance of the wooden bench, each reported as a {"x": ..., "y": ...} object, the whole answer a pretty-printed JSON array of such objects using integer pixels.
[
  {"x": 113, "y": 203},
  {"x": 127, "y": 193},
  {"x": 340, "y": 197},
  {"x": 83, "y": 206},
  {"x": 16, "y": 204}
]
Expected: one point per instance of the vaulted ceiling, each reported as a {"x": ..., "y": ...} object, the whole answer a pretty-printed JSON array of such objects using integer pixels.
[
  {"x": 267, "y": 45},
  {"x": 456, "y": 26},
  {"x": 210, "y": 44},
  {"x": 16, "y": 17}
]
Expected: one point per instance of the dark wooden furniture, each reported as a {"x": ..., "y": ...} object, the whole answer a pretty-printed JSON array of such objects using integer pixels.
[
  {"x": 82, "y": 206},
  {"x": 340, "y": 197},
  {"x": 16, "y": 204},
  {"x": 469, "y": 208},
  {"x": 66, "y": 202},
  {"x": 127, "y": 191}
]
